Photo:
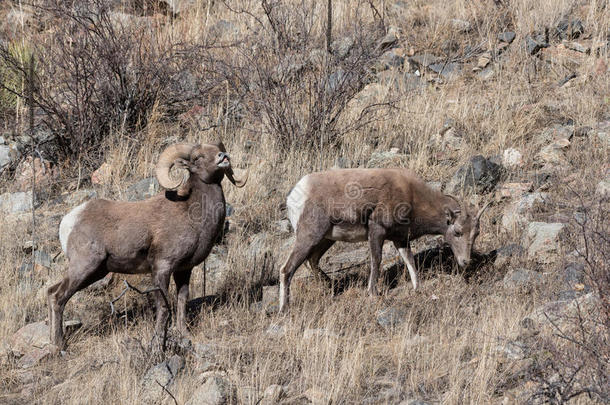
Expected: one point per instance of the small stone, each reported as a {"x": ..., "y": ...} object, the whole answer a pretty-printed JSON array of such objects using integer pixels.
[
  {"x": 102, "y": 176},
  {"x": 575, "y": 46},
  {"x": 513, "y": 190},
  {"x": 282, "y": 226},
  {"x": 480, "y": 174},
  {"x": 341, "y": 47},
  {"x": 520, "y": 278},
  {"x": 544, "y": 241},
  {"x": 505, "y": 254},
  {"x": 513, "y": 350},
  {"x": 424, "y": 60},
  {"x": 447, "y": 70},
  {"x": 512, "y": 158},
  {"x": 216, "y": 390},
  {"x": 570, "y": 28},
  {"x": 142, "y": 190},
  {"x": 535, "y": 44},
  {"x": 507, "y": 37},
  {"x": 553, "y": 153},
  {"x": 272, "y": 394},
  {"x": 461, "y": 25},
  {"x": 518, "y": 213},
  {"x": 14, "y": 203},
  {"x": 78, "y": 197},
  {"x": 391, "y": 317},
  {"x": 160, "y": 378},
  {"x": 483, "y": 60}
]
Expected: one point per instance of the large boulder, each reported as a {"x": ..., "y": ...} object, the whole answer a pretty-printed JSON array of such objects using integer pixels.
[
  {"x": 159, "y": 379},
  {"x": 216, "y": 390},
  {"x": 543, "y": 241},
  {"x": 479, "y": 173}
]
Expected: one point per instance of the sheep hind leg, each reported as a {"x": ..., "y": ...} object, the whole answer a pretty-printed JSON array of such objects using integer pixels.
[
  {"x": 161, "y": 279},
  {"x": 314, "y": 261},
  {"x": 78, "y": 278}
]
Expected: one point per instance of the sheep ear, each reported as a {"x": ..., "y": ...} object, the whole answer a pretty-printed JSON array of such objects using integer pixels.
[{"x": 451, "y": 215}]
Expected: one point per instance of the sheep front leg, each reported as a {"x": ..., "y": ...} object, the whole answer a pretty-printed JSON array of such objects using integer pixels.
[
  {"x": 182, "y": 287},
  {"x": 161, "y": 278},
  {"x": 376, "y": 239},
  {"x": 407, "y": 255}
]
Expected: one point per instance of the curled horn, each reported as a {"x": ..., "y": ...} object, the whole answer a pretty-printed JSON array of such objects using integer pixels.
[
  {"x": 482, "y": 210},
  {"x": 229, "y": 172},
  {"x": 237, "y": 182},
  {"x": 167, "y": 160}
]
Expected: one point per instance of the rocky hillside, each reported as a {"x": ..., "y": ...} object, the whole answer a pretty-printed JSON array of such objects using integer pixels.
[{"x": 494, "y": 101}]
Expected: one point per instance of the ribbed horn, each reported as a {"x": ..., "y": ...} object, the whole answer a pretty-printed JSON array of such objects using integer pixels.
[
  {"x": 237, "y": 182},
  {"x": 482, "y": 210},
  {"x": 167, "y": 160}
]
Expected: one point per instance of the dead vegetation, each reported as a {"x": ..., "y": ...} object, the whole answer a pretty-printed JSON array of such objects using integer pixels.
[{"x": 245, "y": 72}]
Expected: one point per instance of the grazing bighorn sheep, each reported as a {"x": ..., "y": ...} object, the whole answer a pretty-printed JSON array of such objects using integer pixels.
[
  {"x": 355, "y": 205},
  {"x": 166, "y": 235}
]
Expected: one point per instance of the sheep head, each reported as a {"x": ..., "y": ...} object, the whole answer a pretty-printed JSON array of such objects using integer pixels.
[
  {"x": 208, "y": 162},
  {"x": 462, "y": 229}
]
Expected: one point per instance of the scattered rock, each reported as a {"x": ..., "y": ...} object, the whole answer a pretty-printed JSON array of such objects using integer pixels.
[
  {"x": 389, "y": 60},
  {"x": 573, "y": 275},
  {"x": 553, "y": 153},
  {"x": 391, "y": 317},
  {"x": 479, "y": 174},
  {"x": 390, "y": 39},
  {"x": 447, "y": 70},
  {"x": 505, "y": 254},
  {"x": 216, "y": 390},
  {"x": 557, "y": 313},
  {"x": 282, "y": 226},
  {"x": 518, "y": 213},
  {"x": 513, "y": 190},
  {"x": 603, "y": 187},
  {"x": 42, "y": 260},
  {"x": 515, "y": 350},
  {"x": 160, "y": 378},
  {"x": 341, "y": 47},
  {"x": 318, "y": 333},
  {"x": 575, "y": 46},
  {"x": 535, "y": 43},
  {"x": 31, "y": 335},
  {"x": 46, "y": 173},
  {"x": 78, "y": 197},
  {"x": 142, "y": 190},
  {"x": 387, "y": 159},
  {"x": 271, "y": 298},
  {"x": 13, "y": 203},
  {"x": 102, "y": 176},
  {"x": 570, "y": 28},
  {"x": 424, "y": 60},
  {"x": 461, "y": 25},
  {"x": 483, "y": 60},
  {"x": 273, "y": 394},
  {"x": 544, "y": 241},
  {"x": 453, "y": 139},
  {"x": 520, "y": 278},
  {"x": 507, "y": 37},
  {"x": 512, "y": 158}
]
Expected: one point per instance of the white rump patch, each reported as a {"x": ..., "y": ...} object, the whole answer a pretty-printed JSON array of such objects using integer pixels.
[
  {"x": 67, "y": 224},
  {"x": 296, "y": 201}
]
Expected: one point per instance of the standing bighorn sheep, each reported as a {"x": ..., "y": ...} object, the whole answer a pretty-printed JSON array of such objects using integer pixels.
[
  {"x": 166, "y": 235},
  {"x": 356, "y": 205}
]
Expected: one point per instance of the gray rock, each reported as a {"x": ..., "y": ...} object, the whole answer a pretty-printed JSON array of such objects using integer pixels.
[
  {"x": 142, "y": 190},
  {"x": 479, "y": 174},
  {"x": 576, "y": 46},
  {"x": 341, "y": 47},
  {"x": 544, "y": 241},
  {"x": 159, "y": 377},
  {"x": 42, "y": 258},
  {"x": 5, "y": 157},
  {"x": 461, "y": 25},
  {"x": 603, "y": 187},
  {"x": 400, "y": 82},
  {"x": 518, "y": 213},
  {"x": 535, "y": 43},
  {"x": 179, "y": 6},
  {"x": 573, "y": 274},
  {"x": 520, "y": 278},
  {"x": 570, "y": 28},
  {"x": 272, "y": 394},
  {"x": 424, "y": 60},
  {"x": 216, "y": 390},
  {"x": 390, "y": 39},
  {"x": 13, "y": 203},
  {"x": 389, "y": 318},
  {"x": 78, "y": 197},
  {"x": 506, "y": 253},
  {"x": 515, "y": 350},
  {"x": 31, "y": 335},
  {"x": 389, "y": 60},
  {"x": 507, "y": 37},
  {"x": 447, "y": 70}
]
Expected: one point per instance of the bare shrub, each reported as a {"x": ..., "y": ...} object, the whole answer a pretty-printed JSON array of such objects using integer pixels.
[
  {"x": 291, "y": 84},
  {"x": 575, "y": 359},
  {"x": 100, "y": 71}
]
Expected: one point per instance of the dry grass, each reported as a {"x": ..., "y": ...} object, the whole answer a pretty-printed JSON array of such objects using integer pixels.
[{"x": 445, "y": 349}]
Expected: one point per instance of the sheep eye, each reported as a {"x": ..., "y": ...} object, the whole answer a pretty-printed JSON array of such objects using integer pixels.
[{"x": 458, "y": 234}]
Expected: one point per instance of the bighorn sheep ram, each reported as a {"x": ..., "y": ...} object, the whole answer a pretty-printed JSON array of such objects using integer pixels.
[
  {"x": 356, "y": 205},
  {"x": 166, "y": 235}
]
